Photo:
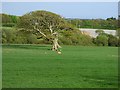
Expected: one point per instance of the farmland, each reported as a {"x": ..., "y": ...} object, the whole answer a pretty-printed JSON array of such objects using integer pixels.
[{"x": 36, "y": 66}]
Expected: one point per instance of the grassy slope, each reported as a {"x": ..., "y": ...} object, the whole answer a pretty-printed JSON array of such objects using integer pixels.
[{"x": 77, "y": 67}]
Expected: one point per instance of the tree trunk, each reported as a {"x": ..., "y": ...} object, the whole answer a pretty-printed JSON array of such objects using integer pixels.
[
  {"x": 55, "y": 45},
  {"x": 55, "y": 42}
]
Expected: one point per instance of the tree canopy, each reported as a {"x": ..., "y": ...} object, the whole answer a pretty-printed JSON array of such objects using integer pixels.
[
  {"x": 44, "y": 23},
  {"x": 42, "y": 20}
]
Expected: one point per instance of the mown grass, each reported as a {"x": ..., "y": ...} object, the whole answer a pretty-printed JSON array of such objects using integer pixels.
[{"x": 35, "y": 66}]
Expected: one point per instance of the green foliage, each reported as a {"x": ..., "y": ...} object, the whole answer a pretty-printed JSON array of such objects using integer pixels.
[
  {"x": 9, "y": 20},
  {"x": 13, "y": 36},
  {"x": 20, "y": 40},
  {"x": 112, "y": 18},
  {"x": 32, "y": 39},
  {"x": 5, "y": 18},
  {"x": 72, "y": 37},
  {"x": 102, "y": 40},
  {"x": 110, "y": 23},
  {"x": 8, "y": 36},
  {"x": 112, "y": 40},
  {"x": 8, "y": 24},
  {"x": 42, "y": 20},
  {"x": 14, "y": 18},
  {"x": 106, "y": 40},
  {"x": 75, "y": 38},
  {"x": 43, "y": 23}
]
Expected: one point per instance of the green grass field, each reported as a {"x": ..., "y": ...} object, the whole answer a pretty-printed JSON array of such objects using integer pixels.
[{"x": 35, "y": 66}]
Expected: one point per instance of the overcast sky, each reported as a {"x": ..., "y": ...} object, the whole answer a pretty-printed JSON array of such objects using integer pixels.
[{"x": 83, "y": 10}]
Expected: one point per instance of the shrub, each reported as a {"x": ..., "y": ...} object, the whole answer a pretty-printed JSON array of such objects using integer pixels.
[
  {"x": 31, "y": 39},
  {"x": 8, "y": 24},
  {"x": 102, "y": 40},
  {"x": 112, "y": 40},
  {"x": 65, "y": 41},
  {"x": 8, "y": 36},
  {"x": 75, "y": 38},
  {"x": 66, "y": 37}
]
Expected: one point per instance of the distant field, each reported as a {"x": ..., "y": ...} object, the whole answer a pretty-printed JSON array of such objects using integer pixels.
[{"x": 35, "y": 66}]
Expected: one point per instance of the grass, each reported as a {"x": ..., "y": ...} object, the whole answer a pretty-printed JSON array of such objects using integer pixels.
[{"x": 35, "y": 66}]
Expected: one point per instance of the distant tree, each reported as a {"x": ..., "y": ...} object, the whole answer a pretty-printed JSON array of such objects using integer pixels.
[
  {"x": 44, "y": 23},
  {"x": 6, "y": 18},
  {"x": 112, "y": 40},
  {"x": 102, "y": 40},
  {"x": 76, "y": 22},
  {"x": 14, "y": 19},
  {"x": 111, "y": 18},
  {"x": 109, "y": 23}
]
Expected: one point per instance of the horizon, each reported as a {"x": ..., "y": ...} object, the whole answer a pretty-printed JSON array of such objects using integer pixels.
[
  {"x": 71, "y": 17},
  {"x": 77, "y": 10}
]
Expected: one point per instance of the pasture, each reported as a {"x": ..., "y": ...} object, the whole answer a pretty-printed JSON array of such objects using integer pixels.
[{"x": 36, "y": 66}]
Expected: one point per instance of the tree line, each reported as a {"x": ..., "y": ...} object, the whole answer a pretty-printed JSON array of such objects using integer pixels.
[
  {"x": 109, "y": 23},
  {"x": 43, "y": 27}
]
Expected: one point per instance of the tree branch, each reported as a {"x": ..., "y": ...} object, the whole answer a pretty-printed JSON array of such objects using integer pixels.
[
  {"x": 50, "y": 28},
  {"x": 40, "y": 32}
]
